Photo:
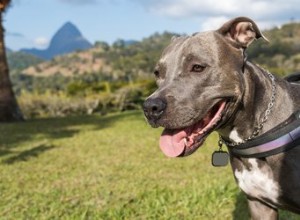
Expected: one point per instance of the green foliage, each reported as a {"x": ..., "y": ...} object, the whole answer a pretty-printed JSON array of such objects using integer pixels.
[
  {"x": 140, "y": 56},
  {"x": 83, "y": 98},
  {"x": 49, "y": 104},
  {"x": 103, "y": 45},
  {"x": 281, "y": 54},
  {"x": 20, "y": 60},
  {"x": 109, "y": 167}
]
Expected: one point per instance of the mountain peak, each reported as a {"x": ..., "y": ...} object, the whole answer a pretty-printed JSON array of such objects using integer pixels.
[
  {"x": 67, "y": 39},
  {"x": 68, "y": 27},
  {"x": 67, "y": 32},
  {"x": 69, "y": 23}
]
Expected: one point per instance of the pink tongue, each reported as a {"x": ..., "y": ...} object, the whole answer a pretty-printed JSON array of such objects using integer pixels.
[{"x": 172, "y": 142}]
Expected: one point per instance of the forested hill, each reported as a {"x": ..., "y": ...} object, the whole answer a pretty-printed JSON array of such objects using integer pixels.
[
  {"x": 282, "y": 54},
  {"x": 123, "y": 61}
]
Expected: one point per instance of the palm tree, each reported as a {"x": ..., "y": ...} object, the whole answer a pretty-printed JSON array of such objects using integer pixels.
[{"x": 9, "y": 109}]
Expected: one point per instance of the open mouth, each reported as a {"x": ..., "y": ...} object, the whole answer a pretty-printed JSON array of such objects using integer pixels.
[{"x": 185, "y": 141}]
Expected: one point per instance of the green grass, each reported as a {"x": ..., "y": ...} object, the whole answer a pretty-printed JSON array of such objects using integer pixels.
[{"x": 109, "y": 167}]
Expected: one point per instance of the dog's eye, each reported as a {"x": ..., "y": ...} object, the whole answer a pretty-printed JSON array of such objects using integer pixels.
[{"x": 198, "y": 68}]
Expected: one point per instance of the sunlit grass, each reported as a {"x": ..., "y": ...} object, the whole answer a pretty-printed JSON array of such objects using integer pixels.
[{"x": 109, "y": 168}]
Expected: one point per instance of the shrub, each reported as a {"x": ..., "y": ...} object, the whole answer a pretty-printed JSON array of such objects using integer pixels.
[
  {"x": 81, "y": 98},
  {"x": 35, "y": 105}
]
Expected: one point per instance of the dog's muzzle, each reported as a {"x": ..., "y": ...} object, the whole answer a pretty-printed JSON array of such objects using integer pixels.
[{"x": 154, "y": 109}]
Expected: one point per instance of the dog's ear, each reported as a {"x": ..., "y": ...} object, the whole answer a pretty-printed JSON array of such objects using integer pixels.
[{"x": 242, "y": 31}]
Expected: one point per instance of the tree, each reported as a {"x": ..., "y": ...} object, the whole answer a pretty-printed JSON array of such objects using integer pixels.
[{"x": 9, "y": 109}]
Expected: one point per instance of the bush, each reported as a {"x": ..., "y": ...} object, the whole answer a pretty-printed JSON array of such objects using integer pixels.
[
  {"x": 35, "y": 105},
  {"x": 81, "y": 98}
]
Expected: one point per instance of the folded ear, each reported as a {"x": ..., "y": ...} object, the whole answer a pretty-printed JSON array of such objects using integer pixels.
[{"x": 242, "y": 31}]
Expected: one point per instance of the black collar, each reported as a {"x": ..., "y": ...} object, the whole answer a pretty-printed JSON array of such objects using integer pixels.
[{"x": 279, "y": 139}]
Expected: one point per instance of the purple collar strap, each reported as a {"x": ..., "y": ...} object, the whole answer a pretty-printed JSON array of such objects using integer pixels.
[{"x": 279, "y": 139}]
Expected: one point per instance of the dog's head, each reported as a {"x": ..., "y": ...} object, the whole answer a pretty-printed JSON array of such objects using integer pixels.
[{"x": 199, "y": 85}]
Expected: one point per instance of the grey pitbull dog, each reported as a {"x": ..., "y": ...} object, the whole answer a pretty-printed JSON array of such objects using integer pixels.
[{"x": 205, "y": 83}]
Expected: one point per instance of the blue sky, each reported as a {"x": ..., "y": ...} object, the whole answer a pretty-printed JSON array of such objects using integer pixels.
[{"x": 32, "y": 23}]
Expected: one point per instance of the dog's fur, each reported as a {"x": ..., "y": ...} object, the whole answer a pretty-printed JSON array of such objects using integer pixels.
[{"x": 196, "y": 72}]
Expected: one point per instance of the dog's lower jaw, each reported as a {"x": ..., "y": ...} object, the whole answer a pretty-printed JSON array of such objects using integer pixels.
[{"x": 185, "y": 141}]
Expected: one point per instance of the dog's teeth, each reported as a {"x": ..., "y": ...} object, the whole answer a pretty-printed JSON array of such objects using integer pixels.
[{"x": 185, "y": 141}]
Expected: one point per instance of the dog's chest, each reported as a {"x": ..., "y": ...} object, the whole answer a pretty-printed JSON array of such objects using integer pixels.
[{"x": 257, "y": 182}]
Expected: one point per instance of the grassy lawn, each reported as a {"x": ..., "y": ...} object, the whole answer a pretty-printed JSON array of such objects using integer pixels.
[{"x": 109, "y": 167}]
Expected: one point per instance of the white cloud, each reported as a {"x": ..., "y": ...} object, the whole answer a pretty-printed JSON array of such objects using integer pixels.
[
  {"x": 212, "y": 23},
  {"x": 41, "y": 42},
  {"x": 212, "y": 12}
]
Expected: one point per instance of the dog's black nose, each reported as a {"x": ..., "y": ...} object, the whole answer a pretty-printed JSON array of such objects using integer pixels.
[{"x": 154, "y": 108}]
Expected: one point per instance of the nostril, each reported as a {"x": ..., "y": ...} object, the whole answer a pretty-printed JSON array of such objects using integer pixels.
[{"x": 154, "y": 107}]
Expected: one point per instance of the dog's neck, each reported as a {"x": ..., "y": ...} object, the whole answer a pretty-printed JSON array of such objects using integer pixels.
[{"x": 256, "y": 96}]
